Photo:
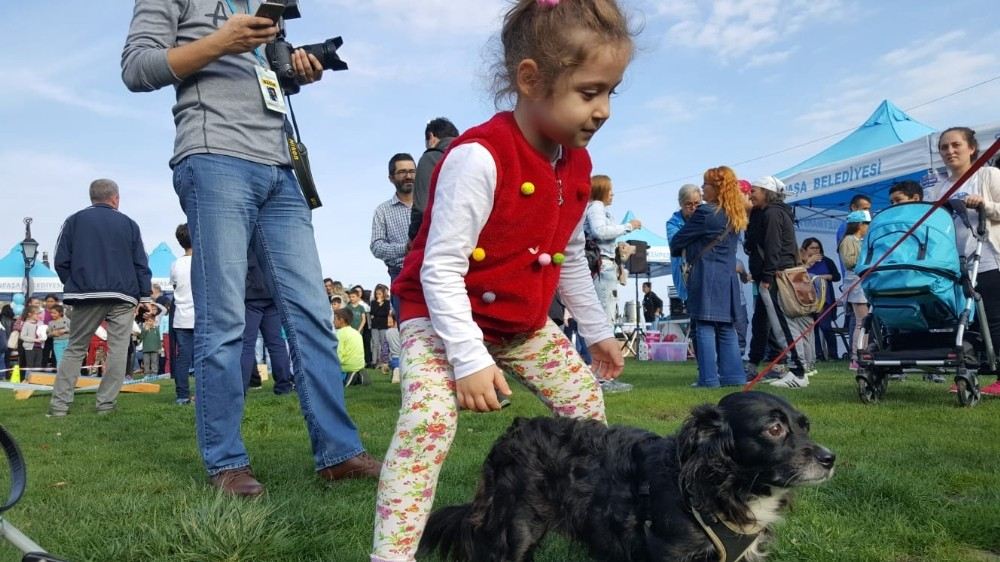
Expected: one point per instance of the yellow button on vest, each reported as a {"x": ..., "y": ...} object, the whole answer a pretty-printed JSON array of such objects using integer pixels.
[
  {"x": 478, "y": 254},
  {"x": 527, "y": 188},
  {"x": 558, "y": 258}
]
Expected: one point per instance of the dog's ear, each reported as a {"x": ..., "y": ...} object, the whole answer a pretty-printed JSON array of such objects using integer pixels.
[
  {"x": 705, "y": 453},
  {"x": 705, "y": 432}
]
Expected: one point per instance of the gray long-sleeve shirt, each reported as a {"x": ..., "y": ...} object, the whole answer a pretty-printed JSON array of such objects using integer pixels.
[{"x": 220, "y": 108}]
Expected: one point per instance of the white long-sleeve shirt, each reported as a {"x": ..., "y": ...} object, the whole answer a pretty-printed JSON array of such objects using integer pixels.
[
  {"x": 602, "y": 228},
  {"x": 463, "y": 201}
]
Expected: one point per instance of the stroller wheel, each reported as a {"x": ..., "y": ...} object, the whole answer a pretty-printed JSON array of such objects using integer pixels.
[
  {"x": 871, "y": 386},
  {"x": 968, "y": 389}
]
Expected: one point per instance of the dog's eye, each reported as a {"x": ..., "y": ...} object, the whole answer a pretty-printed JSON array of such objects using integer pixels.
[{"x": 776, "y": 430}]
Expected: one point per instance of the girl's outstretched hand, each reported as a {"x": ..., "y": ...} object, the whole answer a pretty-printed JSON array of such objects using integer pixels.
[
  {"x": 607, "y": 358},
  {"x": 478, "y": 391}
]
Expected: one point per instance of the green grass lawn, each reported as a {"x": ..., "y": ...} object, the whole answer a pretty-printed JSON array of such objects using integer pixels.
[{"x": 917, "y": 478}]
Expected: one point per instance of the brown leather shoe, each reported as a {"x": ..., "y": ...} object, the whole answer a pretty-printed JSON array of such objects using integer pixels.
[
  {"x": 238, "y": 482},
  {"x": 361, "y": 466}
]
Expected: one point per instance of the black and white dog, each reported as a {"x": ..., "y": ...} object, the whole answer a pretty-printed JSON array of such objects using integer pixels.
[{"x": 707, "y": 493}]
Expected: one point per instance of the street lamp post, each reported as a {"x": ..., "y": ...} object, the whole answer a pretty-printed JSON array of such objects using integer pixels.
[{"x": 29, "y": 247}]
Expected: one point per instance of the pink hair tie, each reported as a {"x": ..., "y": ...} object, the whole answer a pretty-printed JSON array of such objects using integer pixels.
[{"x": 548, "y": 3}]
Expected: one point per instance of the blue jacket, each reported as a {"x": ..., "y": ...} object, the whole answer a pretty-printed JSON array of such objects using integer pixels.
[
  {"x": 713, "y": 289},
  {"x": 100, "y": 257},
  {"x": 674, "y": 225}
]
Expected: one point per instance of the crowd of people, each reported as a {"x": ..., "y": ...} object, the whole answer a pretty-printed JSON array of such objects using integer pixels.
[{"x": 704, "y": 235}]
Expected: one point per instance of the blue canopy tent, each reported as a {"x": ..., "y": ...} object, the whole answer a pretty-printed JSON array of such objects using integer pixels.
[
  {"x": 889, "y": 146},
  {"x": 43, "y": 279},
  {"x": 658, "y": 252},
  {"x": 160, "y": 261}
]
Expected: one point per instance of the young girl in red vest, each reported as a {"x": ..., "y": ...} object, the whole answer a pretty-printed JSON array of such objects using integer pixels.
[{"x": 505, "y": 232}]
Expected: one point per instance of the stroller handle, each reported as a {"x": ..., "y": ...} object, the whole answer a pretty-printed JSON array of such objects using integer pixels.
[{"x": 959, "y": 208}]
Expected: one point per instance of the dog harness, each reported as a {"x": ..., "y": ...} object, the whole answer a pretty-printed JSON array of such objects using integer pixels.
[{"x": 731, "y": 543}]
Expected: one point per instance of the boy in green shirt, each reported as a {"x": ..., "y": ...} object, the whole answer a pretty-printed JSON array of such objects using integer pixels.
[{"x": 350, "y": 349}]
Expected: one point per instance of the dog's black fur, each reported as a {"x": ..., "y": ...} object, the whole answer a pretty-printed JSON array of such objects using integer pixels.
[{"x": 735, "y": 461}]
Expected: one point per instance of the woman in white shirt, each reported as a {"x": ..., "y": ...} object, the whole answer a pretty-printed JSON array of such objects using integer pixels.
[
  {"x": 958, "y": 148},
  {"x": 601, "y": 228}
]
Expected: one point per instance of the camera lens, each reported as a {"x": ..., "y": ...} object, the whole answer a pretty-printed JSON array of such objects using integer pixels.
[{"x": 326, "y": 52}]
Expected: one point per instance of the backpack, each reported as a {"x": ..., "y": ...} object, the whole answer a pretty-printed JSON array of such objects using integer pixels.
[{"x": 593, "y": 253}]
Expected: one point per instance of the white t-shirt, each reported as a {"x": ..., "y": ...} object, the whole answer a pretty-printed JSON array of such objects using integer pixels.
[
  {"x": 989, "y": 259},
  {"x": 180, "y": 278}
]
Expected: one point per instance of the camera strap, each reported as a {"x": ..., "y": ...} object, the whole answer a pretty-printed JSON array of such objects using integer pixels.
[{"x": 300, "y": 159}]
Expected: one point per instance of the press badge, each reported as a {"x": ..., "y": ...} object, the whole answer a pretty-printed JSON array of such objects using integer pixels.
[{"x": 269, "y": 88}]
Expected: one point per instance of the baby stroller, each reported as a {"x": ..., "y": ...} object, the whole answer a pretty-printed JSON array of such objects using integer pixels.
[{"x": 925, "y": 312}]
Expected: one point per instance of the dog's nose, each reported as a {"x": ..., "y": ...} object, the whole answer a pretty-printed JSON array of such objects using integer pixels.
[{"x": 825, "y": 457}]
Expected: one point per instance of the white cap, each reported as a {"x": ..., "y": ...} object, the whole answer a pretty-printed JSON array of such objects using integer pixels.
[{"x": 770, "y": 183}]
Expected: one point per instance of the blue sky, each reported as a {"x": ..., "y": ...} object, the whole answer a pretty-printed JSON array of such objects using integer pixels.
[{"x": 713, "y": 82}]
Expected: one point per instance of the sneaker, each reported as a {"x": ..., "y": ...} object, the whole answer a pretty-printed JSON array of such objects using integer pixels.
[
  {"x": 811, "y": 372},
  {"x": 56, "y": 414},
  {"x": 935, "y": 378},
  {"x": 182, "y": 401},
  {"x": 614, "y": 387},
  {"x": 395, "y": 375},
  {"x": 503, "y": 399},
  {"x": 791, "y": 381},
  {"x": 854, "y": 365},
  {"x": 350, "y": 378},
  {"x": 992, "y": 389}
]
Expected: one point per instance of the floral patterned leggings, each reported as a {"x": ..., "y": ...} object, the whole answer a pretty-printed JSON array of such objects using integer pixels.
[{"x": 544, "y": 361}]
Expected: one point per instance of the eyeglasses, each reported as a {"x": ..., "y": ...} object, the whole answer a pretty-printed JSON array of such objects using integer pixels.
[
  {"x": 410, "y": 172},
  {"x": 691, "y": 204}
]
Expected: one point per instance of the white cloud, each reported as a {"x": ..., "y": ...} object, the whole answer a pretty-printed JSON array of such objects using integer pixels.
[
  {"x": 919, "y": 51},
  {"x": 432, "y": 17},
  {"x": 769, "y": 59},
  {"x": 680, "y": 108},
  {"x": 921, "y": 76},
  {"x": 735, "y": 30}
]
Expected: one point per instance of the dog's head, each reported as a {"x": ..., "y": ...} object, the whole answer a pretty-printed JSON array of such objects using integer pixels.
[{"x": 745, "y": 447}]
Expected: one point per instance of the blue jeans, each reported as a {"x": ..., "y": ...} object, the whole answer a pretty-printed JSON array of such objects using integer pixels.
[
  {"x": 182, "y": 344},
  {"x": 262, "y": 317},
  {"x": 229, "y": 202},
  {"x": 393, "y": 298},
  {"x": 719, "y": 360}
]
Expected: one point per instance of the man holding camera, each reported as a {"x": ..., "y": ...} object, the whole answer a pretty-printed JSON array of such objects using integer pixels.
[{"x": 233, "y": 177}]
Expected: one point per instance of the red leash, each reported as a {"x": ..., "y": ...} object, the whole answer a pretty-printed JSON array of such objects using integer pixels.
[{"x": 979, "y": 163}]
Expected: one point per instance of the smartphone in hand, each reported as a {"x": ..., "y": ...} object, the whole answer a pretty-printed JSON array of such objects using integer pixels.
[{"x": 271, "y": 11}]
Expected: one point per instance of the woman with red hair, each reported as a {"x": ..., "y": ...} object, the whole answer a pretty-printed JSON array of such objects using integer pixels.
[{"x": 709, "y": 239}]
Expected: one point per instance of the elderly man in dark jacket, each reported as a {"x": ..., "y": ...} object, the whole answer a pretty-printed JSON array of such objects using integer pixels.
[{"x": 101, "y": 261}]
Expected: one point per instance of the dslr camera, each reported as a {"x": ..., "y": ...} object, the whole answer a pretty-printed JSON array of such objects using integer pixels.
[{"x": 279, "y": 52}]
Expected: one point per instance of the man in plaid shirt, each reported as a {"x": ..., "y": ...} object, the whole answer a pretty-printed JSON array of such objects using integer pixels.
[{"x": 391, "y": 223}]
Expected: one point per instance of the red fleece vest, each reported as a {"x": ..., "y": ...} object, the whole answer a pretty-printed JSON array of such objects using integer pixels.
[{"x": 510, "y": 289}]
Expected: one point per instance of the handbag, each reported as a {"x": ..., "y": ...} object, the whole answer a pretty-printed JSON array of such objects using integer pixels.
[
  {"x": 797, "y": 292},
  {"x": 687, "y": 266},
  {"x": 13, "y": 339}
]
